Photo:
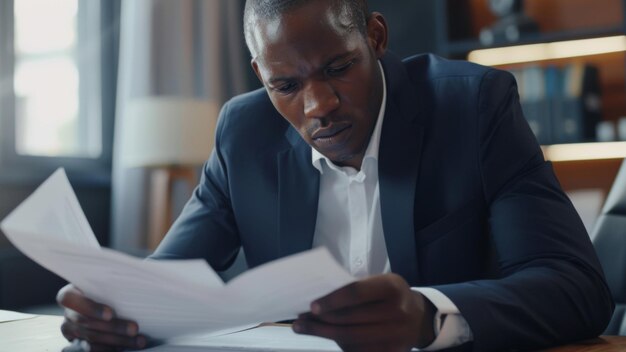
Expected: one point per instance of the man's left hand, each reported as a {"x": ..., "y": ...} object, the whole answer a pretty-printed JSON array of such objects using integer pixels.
[{"x": 380, "y": 313}]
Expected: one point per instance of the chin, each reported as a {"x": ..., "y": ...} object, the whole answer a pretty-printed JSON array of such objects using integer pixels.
[{"x": 342, "y": 159}]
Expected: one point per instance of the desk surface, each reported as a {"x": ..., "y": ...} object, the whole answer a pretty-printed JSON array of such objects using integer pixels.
[
  {"x": 39, "y": 334},
  {"x": 43, "y": 334},
  {"x": 601, "y": 344}
]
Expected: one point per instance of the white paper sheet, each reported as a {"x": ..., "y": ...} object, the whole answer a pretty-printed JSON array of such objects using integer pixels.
[
  {"x": 166, "y": 298},
  {"x": 53, "y": 209},
  {"x": 266, "y": 338},
  {"x": 7, "y": 316}
]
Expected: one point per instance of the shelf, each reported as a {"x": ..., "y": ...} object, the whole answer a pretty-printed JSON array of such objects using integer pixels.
[
  {"x": 578, "y": 166},
  {"x": 585, "y": 151},
  {"x": 586, "y": 166},
  {"x": 461, "y": 48}
]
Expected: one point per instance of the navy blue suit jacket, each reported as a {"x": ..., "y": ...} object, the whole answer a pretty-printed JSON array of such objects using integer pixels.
[{"x": 469, "y": 206}]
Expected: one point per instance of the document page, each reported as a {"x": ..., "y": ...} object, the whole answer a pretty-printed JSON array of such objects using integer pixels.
[
  {"x": 167, "y": 298},
  {"x": 55, "y": 208},
  {"x": 264, "y": 338},
  {"x": 7, "y": 316}
]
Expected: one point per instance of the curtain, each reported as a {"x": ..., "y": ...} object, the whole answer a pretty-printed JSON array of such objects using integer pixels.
[{"x": 186, "y": 48}]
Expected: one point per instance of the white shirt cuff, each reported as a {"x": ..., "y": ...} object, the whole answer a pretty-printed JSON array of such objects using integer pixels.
[{"x": 451, "y": 329}]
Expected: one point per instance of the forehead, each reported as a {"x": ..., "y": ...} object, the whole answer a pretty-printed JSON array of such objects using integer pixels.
[{"x": 310, "y": 33}]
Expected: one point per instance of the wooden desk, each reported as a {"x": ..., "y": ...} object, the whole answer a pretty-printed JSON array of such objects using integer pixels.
[
  {"x": 601, "y": 344},
  {"x": 43, "y": 334}
]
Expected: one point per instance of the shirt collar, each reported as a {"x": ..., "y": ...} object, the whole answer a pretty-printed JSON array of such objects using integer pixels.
[{"x": 372, "y": 148}]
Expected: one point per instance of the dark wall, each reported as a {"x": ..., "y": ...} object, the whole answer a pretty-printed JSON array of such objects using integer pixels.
[
  {"x": 411, "y": 25},
  {"x": 22, "y": 281}
]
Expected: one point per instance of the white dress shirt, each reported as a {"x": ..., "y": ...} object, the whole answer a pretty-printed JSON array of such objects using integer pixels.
[{"x": 349, "y": 224}]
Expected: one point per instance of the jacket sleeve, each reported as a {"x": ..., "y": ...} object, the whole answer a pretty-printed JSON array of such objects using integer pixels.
[
  {"x": 206, "y": 228},
  {"x": 551, "y": 288}
]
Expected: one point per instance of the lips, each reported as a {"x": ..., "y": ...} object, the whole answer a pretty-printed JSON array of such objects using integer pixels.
[
  {"x": 332, "y": 137},
  {"x": 330, "y": 131}
]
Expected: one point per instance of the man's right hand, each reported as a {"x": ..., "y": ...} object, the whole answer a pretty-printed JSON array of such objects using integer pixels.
[{"x": 96, "y": 323}]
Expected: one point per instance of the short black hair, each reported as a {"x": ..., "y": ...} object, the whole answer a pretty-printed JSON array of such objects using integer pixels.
[{"x": 355, "y": 11}]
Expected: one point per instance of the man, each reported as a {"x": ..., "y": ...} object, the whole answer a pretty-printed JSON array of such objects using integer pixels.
[{"x": 421, "y": 177}]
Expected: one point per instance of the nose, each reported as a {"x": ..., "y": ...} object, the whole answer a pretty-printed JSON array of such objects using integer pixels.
[{"x": 320, "y": 99}]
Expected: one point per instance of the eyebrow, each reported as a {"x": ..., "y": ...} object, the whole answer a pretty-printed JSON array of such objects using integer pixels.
[{"x": 325, "y": 64}]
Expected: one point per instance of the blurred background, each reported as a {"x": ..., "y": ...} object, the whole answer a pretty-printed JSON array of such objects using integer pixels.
[{"x": 125, "y": 94}]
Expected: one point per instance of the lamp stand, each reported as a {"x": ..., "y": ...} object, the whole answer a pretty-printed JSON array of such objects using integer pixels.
[{"x": 162, "y": 181}]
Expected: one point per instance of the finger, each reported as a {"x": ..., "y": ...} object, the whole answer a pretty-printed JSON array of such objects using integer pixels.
[
  {"x": 115, "y": 326},
  {"x": 350, "y": 335},
  {"x": 69, "y": 335},
  {"x": 369, "y": 290},
  {"x": 105, "y": 339},
  {"x": 72, "y": 298},
  {"x": 67, "y": 332},
  {"x": 369, "y": 313}
]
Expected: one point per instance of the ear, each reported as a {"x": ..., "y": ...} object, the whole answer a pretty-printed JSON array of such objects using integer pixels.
[
  {"x": 377, "y": 34},
  {"x": 255, "y": 67}
]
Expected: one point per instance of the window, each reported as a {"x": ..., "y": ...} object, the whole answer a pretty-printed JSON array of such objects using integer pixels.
[{"x": 56, "y": 90}]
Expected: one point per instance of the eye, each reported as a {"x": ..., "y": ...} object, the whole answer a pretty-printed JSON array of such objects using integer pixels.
[
  {"x": 286, "y": 88},
  {"x": 338, "y": 70}
]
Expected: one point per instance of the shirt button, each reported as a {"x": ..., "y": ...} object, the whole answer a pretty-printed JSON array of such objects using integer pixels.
[{"x": 358, "y": 262}]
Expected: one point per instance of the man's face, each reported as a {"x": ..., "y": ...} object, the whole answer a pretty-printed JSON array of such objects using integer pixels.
[{"x": 323, "y": 77}]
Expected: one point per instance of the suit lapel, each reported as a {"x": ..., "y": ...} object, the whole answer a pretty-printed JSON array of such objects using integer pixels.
[
  {"x": 398, "y": 169},
  {"x": 298, "y": 189}
]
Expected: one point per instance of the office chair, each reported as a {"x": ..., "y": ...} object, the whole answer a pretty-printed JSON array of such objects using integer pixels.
[{"x": 609, "y": 240}]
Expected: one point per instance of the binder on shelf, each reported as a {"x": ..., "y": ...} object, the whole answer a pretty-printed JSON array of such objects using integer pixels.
[
  {"x": 562, "y": 105},
  {"x": 564, "y": 128},
  {"x": 582, "y": 104},
  {"x": 535, "y": 104},
  {"x": 519, "y": 79}
]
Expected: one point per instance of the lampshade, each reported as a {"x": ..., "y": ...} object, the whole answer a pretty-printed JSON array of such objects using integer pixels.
[{"x": 165, "y": 131}]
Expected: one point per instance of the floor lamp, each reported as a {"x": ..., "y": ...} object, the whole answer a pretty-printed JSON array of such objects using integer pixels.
[{"x": 171, "y": 136}]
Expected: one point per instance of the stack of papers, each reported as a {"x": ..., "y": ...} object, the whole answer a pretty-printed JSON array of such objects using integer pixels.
[
  {"x": 7, "y": 316},
  {"x": 264, "y": 338},
  {"x": 167, "y": 298}
]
